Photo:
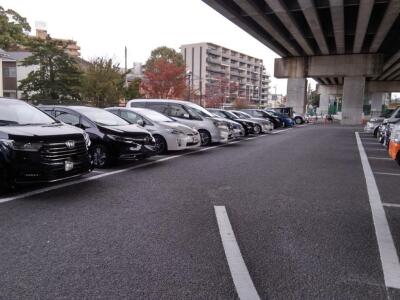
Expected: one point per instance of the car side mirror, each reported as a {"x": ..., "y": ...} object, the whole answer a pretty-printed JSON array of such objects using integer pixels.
[{"x": 140, "y": 122}]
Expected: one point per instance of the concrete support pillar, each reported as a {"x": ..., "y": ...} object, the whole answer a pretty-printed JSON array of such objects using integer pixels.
[
  {"x": 297, "y": 94},
  {"x": 376, "y": 100},
  {"x": 323, "y": 104},
  {"x": 353, "y": 100}
]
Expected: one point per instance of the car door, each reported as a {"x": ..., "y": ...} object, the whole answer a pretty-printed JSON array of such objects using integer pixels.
[{"x": 182, "y": 115}]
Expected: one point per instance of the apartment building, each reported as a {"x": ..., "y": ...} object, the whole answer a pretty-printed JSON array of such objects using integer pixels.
[
  {"x": 215, "y": 69},
  {"x": 8, "y": 75}
]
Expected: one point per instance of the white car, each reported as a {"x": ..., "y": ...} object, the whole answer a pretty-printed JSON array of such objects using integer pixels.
[
  {"x": 210, "y": 128},
  {"x": 169, "y": 134}
]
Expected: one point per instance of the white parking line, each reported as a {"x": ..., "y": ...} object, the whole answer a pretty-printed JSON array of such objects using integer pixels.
[
  {"x": 279, "y": 131},
  {"x": 387, "y": 250},
  {"x": 375, "y": 149},
  {"x": 391, "y": 205},
  {"x": 101, "y": 175},
  {"x": 382, "y": 158},
  {"x": 240, "y": 275},
  {"x": 389, "y": 174}
]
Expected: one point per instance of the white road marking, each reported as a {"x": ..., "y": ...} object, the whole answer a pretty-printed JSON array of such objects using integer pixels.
[
  {"x": 391, "y": 205},
  {"x": 383, "y": 158},
  {"x": 279, "y": 131},
  {"x": 101, "y": 175},
  {"x": 390, "y": 174},
  {"x": 387, "y": 250},
  {"x": 240, "y": 275},
  {"x": 375, "y": 149},
  {"x": 97, "y": 171},
  {"x": 372, "y": 143}
]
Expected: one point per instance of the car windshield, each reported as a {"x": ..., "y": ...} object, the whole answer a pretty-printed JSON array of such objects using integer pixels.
[
  {"x": 101, "y": 117},
  {"x": 200, "y": 111},
  {"x": 242, "y": 114},
  {"x": 21, "y": 113},
  {"x": 154, "y": 115}
]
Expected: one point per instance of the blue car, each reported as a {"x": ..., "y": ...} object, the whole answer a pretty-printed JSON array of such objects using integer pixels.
[{"x": 286, "y": 121}]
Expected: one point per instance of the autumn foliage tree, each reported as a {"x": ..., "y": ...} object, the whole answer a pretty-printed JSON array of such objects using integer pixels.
[
  {"x": 164, "y": 80},
  {"x": 218, "y": 91}
]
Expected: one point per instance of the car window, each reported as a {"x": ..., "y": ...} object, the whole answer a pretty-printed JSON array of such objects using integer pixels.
[
  {"x": 67, "y": 118},
  {"x": 158, "y": 106},
  {"x": 398, "y": 114},
  {"x": 85, "y": 123},
  {"x": 49, "y": 112},
  {"x": 138, "y": 104},
  {"x": 130, "y": 116},
  {"x": 178, "y": 111}
]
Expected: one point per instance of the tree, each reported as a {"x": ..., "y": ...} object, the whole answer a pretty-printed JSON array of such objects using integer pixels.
[
  {"x": 103, "y": 83},
  {"x": 164, "y": 79},
  {"x": 57, "y": 76},
  {"x": 168, "y": 54},
  {"x": 240, "y": 103},
  {"x": 13, "y": 26},
  {"x": 218, "y": 91},
  {"x": 133, "y": 89}
]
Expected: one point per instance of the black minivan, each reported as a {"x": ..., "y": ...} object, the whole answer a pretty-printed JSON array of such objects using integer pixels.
[
  {"x": 35, "y": 147},
  {"x": 111, "y": 136}
]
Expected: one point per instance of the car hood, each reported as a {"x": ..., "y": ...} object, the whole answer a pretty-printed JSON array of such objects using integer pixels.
[
  {"x": 377, "y": 120},
  {"x": 39, "y": 131},
  {"x": 178, "y": 126},
  {"x": 124, "y": 130}
]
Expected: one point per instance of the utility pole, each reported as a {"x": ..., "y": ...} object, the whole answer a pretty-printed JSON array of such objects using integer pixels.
[{"x": 126, "y": 66}]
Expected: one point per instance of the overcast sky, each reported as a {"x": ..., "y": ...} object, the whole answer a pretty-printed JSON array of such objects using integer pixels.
[{"x": 103, "y": 28}]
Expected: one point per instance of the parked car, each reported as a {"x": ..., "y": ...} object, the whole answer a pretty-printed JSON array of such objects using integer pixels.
[
  {"x": 266, "y": 125},
  {"x": 249, "y": 127},
  {"x": 259, "y": 113},
  {"x": 35, "y": 147},
  {"x": 111, "y": 137},
  {"x": 394, "y": 117},
  {"x": 168, "y": 134},
  {"x": 288, "y": 111},
  {"x": 385, "y": 131},
  {"x": 394, "y": 144},
  {"x": 373, "y": 124},
  {"x": 286, "y": 121},
  {"x": 211, "y": 129}
]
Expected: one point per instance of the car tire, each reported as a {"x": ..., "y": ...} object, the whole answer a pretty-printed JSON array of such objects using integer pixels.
[
  {"x": 161, "y": 146},
  {"x": 398, "y": 158},
  {"x": 101, "y": 156},
  {"x": 298, "y": 120},
  {"x": 257, "y": 129},
  {"x": 205, "y": 137}
]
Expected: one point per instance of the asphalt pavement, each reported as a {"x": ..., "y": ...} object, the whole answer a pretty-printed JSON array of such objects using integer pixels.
[{"x": 297, "y": 203}]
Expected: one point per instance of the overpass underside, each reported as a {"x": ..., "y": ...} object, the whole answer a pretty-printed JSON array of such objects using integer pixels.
[{"x": 351, "y": 46}]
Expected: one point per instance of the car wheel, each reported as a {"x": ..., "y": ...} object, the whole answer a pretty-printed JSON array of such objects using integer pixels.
[
  {"x": 398, "y": 158},
  {"x": 101, "y": 156},
  {"x": 205, "y": 137},
  {"x": 257, "y": 129},
  {"x": 160, "y": 145},
  {"x": 298, "y": 120}
]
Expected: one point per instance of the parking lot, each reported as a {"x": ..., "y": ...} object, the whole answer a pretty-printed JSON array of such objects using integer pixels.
[{"x": 296, "y": 203}]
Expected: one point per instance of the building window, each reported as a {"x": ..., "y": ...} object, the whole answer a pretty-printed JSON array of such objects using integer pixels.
[{"x": 10, "y": 72}]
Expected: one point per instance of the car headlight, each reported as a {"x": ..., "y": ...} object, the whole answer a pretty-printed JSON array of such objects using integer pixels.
[
  {"x": 87, "y": 139},
  {"x": 21, "y": 146},
  {"x": 174, "y": 131}
]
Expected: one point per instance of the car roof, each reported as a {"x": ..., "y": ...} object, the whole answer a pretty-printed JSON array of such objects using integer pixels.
[{"x": 161, "y": 100}]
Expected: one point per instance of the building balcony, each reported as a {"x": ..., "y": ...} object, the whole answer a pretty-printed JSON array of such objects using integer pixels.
[{"x": 214, "y": 51}]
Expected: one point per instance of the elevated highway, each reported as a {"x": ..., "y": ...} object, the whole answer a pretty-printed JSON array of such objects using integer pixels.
[{"x": 349, "y": 45}]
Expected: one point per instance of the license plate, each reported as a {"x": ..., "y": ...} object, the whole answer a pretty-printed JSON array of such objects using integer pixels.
[{"x": 69, "y": 165}]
